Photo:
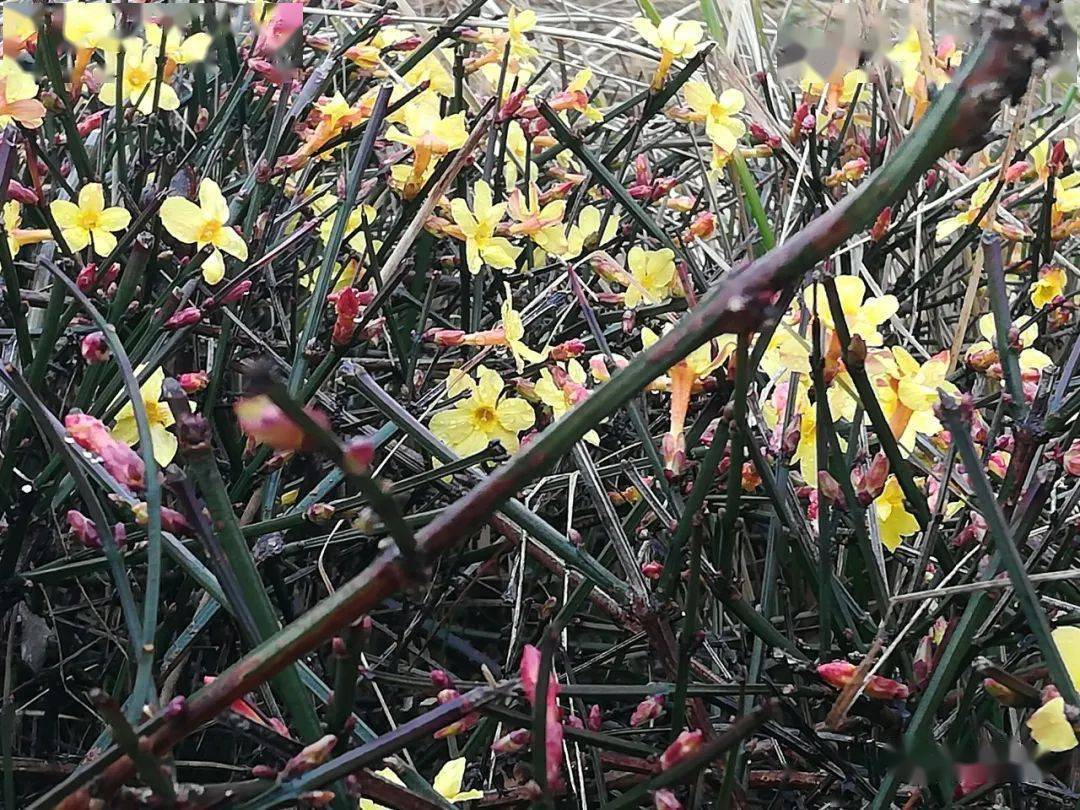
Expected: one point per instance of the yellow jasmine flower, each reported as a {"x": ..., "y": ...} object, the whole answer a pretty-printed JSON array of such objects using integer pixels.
[
  {"x": 651, "y": 274},
  {"x": 88, "y": 26},
  {"x": 89, "y": 221},
  {"x": 574, "y": 97},
  {"x": 563, "y": 394},
  {"x": 205, "y": 224},
  {"x": 179, "y": 50},
  {"x": 586, "y": 228},
  {"x": 979, "y": 199},
  {"x": 518, "y": 24},
  {"x": 787, "y": 351},
  {"x": 1030, "y": 358},
  {"x": 17, "y": 236},
  {"x": 368, "y": 55},
  {"x": 518, "y": 147},
  {"x": 721, "y": 125},
  {"x": 139, "y": 83},
  {"x": 432, "y": 69},
  {"x": 674, "y": 39},
  {"x": 1040, "y": 153},
  {"x": 18, "y": 31},
  {"x": 358, "y": 216},
  {"x": 18, "y": 97},
  {"x": 157, "y": 413},
  {"x": 894, "y": 520},
  {"x": 482, "y": 417},
  {"x": 514, "y": 329},
  {"x": 1049, "y": 285},
  {"x": 543, "y": 225},
  {"x": 862, "y": 317},
  {"x": 427, "y": 133},
  {"x": 908, "y": 392},
  {"x": 1049, "y": 726},
  {"x": 477, "y": 228},
  {"x": 683, "y": 376},
  {"x": 813, "y": 84},
  {"x": 447, "y": 784}
]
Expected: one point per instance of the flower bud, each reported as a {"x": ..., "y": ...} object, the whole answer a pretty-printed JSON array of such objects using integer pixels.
[
  {"x": 194, "y": 381},
  {"x": 188, "y": 316},
  {"x": 86, "y": 280},
  {"x": 652, "y": 569},
  {"x": 830, "y": 489},
  {"x": 839, "y": 674},
  {"x": 1071, "y": 459},
  {"x": 441, "y": 679},
  {"x": 319, "y": 513},
  {"x": 94, "y": 348},
  {"x": 511, "y": 743},
  {"x": 310, "y": 757},
  {"x": 20, "y": 193},
  {"x": 649, "y": 709},
  {"x": 267, "y": 424},
  {"x": 358, "y": 455},
  {"x": 870, "y": 483},
  {"x": 881, "y": 224},
  {"x": 686, "y": 744},
  {"x": 666, "y": 800},
  {"x": 595, "y": 718}
]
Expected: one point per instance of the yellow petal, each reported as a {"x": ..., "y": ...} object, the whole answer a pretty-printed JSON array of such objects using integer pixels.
[
  {"x": 448, "y": 780},
  {"x": 1050, "y": 729}
]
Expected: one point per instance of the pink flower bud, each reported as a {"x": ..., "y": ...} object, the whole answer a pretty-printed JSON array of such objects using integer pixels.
[
  {"x": 320, "y": 513},
  {"x": 881, "y": 224},
  {"x": 513, "y": 742},
  {"x": 310, "y": 757},
  {"x": 347, "y": 306},
  {"x": 1071, "y": 460},
  {"x": 194, "y": 381},
  {"x": 652, "y": 569},
  {"x": 685, "y": 745},
  {"x": 666, "y": 800},
  {"x": 595, "y": 718},
  {"x": 20, "y": 193},
  {"x": 94, "y": 348},
  {"x": 188, "y": 316},
  {"x": 267, "y": 424},
  {"x": 567, "y": 349},
  {"x": 839, "y": 673},
  {"x": 119, "y": 460},
  {"x": 441, "y": 679},
  {"x": 358, "y": 455},
  {"x": 1016, "y": 171},
  {"x": 87, "y": 278},
  {"x": 649, "y": 709},
  {"x": 91, "y": 122},
  {"x": 870, "y": 483}
]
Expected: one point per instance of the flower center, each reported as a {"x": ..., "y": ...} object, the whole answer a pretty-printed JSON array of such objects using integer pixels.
[
  {"x": 89, "y": 219},
  {"x": 138, "y": 77},
  {"x": 484, "y": 417},
  {"x": 209, "y": 231}
]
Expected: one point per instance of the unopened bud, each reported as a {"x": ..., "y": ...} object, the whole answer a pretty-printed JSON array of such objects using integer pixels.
[{"x": 94, "y": 348}]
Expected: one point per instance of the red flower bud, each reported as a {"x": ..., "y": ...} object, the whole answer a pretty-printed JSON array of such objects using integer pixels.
[
  {"x": 194, "y": 381},
  {"x": 881, "y": 224},
  {"x": 513, "y": 742},
  {"x": 595, "y": 718},
  {"x": 652, "y": 569},
  {"x": 266, "y": 423},
  {"x": 87, "y": 278},
  {"x": 188, "y": 316},
  {"x": 310, "y": 757},
  {"x": 94, "y": 348},
  {"x": 840, "y": 673},
  {"x": 685, "y": 745},
  {"x": 20, "y": 193},
  {"x": 649, "y": 709}
]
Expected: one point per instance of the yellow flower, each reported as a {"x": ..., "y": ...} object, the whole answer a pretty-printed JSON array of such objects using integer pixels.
[
  {"x": 518, "y": 24},
  {"x": 157, "y": 413},
  {"x": 514, "y": 329},
  {"x": 894, "y": 520},
  {"x": 908, "y": 392},
  {"x": 813, "y": 84},
  {"x": 1049, "y": 726},
  {"x": 1029, "y": 358},
  {"x": 562, "y": 396},
  {"x": 478, "y": 230},
  {"x": 179, "y": 49},
  {"x": 18, "y": 31},
  {"x": 89, "y": 25},
  {"x": 979, "y": 199},
  {"x": 447, "y": 784},
  {"x": 368, "y": 55},
  {"x": 651, "y": 274},
  {"x": 862, "y": 317},
  {"x": 674, "y": 40},
  {"x": 89, "y": 221},
  {"x": 683, "y": 376},
  {"x": 427, "y": 133},
  {"x": 518, "y": 147},
  {"x": 721, "y": 125},
  {"x": 543, "y": 225},
  {"x": 586, "y": 228},
  {"x": 139, "y": 83},
  {"x": 18, "y": 101},
  {"x": 482, "y": 417},
  {"x": 17, "y": 236},
  {"x": 358, "y": 216},
  {"x": 1049, "y": 285},
  {"x": 432, "y": 69},
  {"x": 205, "y": 224}
]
